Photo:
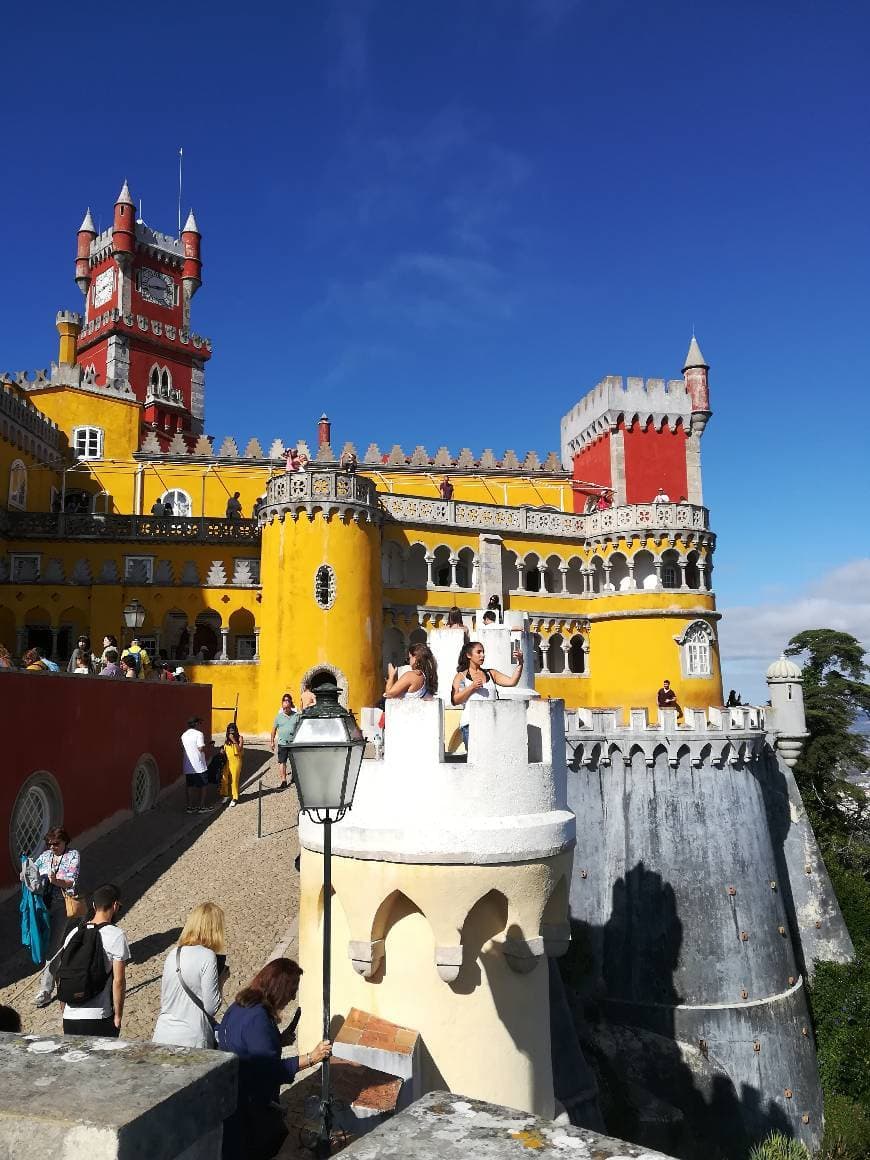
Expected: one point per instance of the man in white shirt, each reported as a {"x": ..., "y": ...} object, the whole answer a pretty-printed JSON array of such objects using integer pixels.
[
  {"x": 101, "y": 1014},
  {"x": 661, "y": 496},
  {"x": 193, "y": 745}
]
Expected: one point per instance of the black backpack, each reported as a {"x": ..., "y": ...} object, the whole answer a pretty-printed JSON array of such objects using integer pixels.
[{"x": 82, "y": 972}]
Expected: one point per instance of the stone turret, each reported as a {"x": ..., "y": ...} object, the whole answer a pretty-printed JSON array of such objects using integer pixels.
[
  {"x": 87, "y": 233},
  {"x": 451, "y": 889},
  {"x": 695, "y": 374},
  {"x": 786, "y": 683},
  {"x": 124, "y": 228}
]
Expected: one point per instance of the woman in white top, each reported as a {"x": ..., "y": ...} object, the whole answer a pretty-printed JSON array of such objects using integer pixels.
[
  {"x": 421, "y": 679},
  {"x": 190, "y": 993},
  {"x": 473, "y": 680}
]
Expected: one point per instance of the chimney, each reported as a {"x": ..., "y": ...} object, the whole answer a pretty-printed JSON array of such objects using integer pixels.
[{"x": 324, "y": 429}]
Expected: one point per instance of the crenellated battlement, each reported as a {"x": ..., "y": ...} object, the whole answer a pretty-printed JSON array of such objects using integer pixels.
[{"x": 633, "y": 400}]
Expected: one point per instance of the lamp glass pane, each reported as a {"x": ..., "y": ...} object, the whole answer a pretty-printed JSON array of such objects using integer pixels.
[
  {"x": 356, "y": 756},
  {"x": 321, "y": 731},
  {"x": 319, "y": 775}
]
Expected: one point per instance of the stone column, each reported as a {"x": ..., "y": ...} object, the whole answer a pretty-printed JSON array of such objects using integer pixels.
[
  {"x": 617, "y": 467},
  {"x": 453, "y": 561},
  {"x": 693, "y": 462},
  {"x": 563, "y": 571},
  {"x": 21, "y": 639},
  {"x": 53, "y": 653},
  {"x": 630, "y": 565},
  {"x": 566, "y": 648},
  {"x": 256, "y": 644},
  {"x": 606, "y": 585},
  {"x": 475, "y": 573},
  {"x": 545, "y": 660},
  {"x": 430, "y": 561},
  {"x": 225, "y": 638},
  {"x": 490, "y": 568},
  {"x": 681, "y": 563},
  {"x": 542, "y": 572}
]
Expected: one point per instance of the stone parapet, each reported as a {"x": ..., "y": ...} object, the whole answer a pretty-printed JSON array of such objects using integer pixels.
[
  {"x": 172, "y": 529},
  {"x": 27, "y": 426},
  {"x": 323, "y": 490},
  {"x": 507, "y": 804},
  {"x": 74, "y": 1095},
  {"x": 631, "y": 519}
]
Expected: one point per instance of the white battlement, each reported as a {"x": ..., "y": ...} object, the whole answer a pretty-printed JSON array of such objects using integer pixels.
[
  {"x": 601, "y": 409},
  {"x": 597, "y": 736},
  {"x": 506, "y": 803}
]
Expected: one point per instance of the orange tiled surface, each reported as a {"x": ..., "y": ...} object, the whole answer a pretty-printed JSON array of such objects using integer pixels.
[
  {"x": 369, "y": 1031},
  {"x": 363, "y": 1087}
]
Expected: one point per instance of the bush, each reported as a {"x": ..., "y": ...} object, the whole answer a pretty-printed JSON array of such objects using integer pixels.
[
  {"x": 776, "y": 1146},
  {"x": 847, "y": 1130}
]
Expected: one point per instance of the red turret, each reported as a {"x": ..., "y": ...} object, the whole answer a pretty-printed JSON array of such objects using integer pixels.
[
  {"x": 695, "y": 376},
  {"x": 324, "y": 430},
  {"x": 87, "y": 233},
  {"x": 124, "y": 227},
  {"x": 190, "y": 244}
]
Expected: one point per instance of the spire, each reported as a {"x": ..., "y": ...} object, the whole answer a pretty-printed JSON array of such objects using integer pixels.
[
  {"x": 190, "y": 226},
  {"x": 87, "y": 225},
  {"x": 694, "y": 358},
  {"x": 124, "y": 197}
]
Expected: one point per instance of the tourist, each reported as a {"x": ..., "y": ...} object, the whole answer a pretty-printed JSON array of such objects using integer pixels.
[
  {"x": 604, "y": 501},
  {"x": 489, "y": 618},
  {"x": 446, "y": 488},
  {"x": 293, "y": 463},
  {"x": 258, "y": 506},
  {"x": 84, "y": 663},
  {"x": 10, "y": 1020},
  {"x": 734, "y": 700},
  {"x": 180, "y": 676},
  {"x": 158, "y": 509},
  {"x": 5, "y": 658},
  {"x": 249, "y": 1029},
  {"x": 667, "y": 698},
  {"x": 349, "y": 462},
  {"x": 234, "y": 507},
  {"x": 100, "y": 1013},
  {"x": 127, "y": 668},
  {"x": 35, "y": 661},
  {"x": 421, "y": 679},
  {"x": 83, "y": 647},
  {"x": 58, "y": 865},
  {"x": 661, "y": 496},
  {"x": 110, "y": 668},
  {"x": 283, "y": 731},
  {"x": 168, "y": 510},
  {"x": 494, "y": 605},
  {"x": 306, "y": 698},
  {"x": 109, "y": 642},
  {"x": 234, "y": 749},
  {"x": 473, "y": 680},
  {"x": 454, "y": 620},
  {"x": 195, "y": 967},
  {"x": 140, "y": 656},
  {"x": 195, "y": 764}
]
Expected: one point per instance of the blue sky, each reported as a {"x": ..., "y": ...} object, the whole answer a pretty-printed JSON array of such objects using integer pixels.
[{"x": 444, "y": 222}]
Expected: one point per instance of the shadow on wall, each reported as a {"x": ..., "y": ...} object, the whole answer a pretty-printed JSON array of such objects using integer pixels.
[{"x": 654, "y": 1090}]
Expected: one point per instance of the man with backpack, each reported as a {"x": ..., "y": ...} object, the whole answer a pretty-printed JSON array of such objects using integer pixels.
[{"x": 91, "y": 975}]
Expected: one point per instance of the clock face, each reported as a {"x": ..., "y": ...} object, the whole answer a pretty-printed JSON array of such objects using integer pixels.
[
  {"x": 104, "y": 287},
  {"x": 156, "y": 287}
]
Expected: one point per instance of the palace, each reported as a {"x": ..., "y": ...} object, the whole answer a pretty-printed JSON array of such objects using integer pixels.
[{"x": 111, "y": 491}]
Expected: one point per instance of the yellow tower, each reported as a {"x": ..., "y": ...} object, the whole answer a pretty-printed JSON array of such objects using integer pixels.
[{"x": 321, "y": 582}]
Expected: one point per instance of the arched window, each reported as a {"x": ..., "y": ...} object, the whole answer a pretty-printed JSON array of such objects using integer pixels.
[
  {"x": 88, "y": 442},
  {"x": 577, "y": 655},
  {"x": 696, "y": 648},
  {"x": 179, "y": 501},
  {"x": 18, "y": 485},
  {"x": 324, "y": 586}
]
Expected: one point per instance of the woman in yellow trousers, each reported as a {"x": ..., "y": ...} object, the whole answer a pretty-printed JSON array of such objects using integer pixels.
[{"x": 234, "y": 748}]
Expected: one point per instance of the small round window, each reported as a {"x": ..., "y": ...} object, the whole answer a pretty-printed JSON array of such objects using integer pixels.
[{"x": 324, "y": 586}]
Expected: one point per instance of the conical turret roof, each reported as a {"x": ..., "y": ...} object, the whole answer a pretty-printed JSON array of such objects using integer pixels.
[
  {"x": 190, "y": 226},
  {"x": 88, "y": 223},
  {"x": 124, "y": 197},
  {"x": 694, "y": 358}
]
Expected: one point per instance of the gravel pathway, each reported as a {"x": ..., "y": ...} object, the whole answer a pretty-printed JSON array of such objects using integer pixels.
[{"x": 215, "y": 857}]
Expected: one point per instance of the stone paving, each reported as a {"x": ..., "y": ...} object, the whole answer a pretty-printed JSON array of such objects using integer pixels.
[{"x": 213, "y": 857}]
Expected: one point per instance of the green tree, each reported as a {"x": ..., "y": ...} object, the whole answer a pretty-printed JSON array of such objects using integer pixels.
[{"x": 835, "y": 696}]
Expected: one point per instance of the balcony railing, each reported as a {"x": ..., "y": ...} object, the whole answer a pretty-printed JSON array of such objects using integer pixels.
[
  {"x": 173, "y": 529},
  {"x": 638, "y": 517}
]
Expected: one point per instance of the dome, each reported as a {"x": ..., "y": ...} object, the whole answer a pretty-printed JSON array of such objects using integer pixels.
[{"x": 784, "y": 670}]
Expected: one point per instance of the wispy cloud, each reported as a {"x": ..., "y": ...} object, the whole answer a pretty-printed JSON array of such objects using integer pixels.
[
  {"x": 753, "y": 635},
  {"x": 350, "y": 42}
]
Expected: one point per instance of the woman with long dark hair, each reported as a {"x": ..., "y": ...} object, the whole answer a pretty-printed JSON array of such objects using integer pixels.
[
  {"x": 234, "y": 750},
  {"x": 255, "y": 1131},
  {"x": 473, "y": 680},
  {"x": 421, "y": 680}
]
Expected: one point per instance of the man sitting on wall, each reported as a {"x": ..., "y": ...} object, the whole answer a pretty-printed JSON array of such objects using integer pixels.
[{"x": 667, "y": 698}]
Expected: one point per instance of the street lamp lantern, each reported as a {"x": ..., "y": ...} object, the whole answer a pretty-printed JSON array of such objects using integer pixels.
[
  {"x": 326, "y": 753},
  {"x": 134, "y": 615}
]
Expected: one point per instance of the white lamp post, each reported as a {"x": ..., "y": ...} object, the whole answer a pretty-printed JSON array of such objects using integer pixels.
[{"x": 325, "y": 755}]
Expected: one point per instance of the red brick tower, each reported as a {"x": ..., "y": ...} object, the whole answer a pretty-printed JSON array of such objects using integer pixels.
[{"x": 138, "y": 284}]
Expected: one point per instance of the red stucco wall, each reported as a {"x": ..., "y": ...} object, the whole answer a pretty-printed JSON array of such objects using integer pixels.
[
  {"x": 592, "y": 465},
  {"x": 89, "y": 733},
  {"x": 655, "y": 459}
]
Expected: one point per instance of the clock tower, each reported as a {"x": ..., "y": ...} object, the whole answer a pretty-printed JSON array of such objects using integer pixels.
[{"x": 138, "y": 285}]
